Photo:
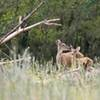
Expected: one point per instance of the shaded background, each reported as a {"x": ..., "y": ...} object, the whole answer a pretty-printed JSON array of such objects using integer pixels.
[{"x": 80, "y": 21}]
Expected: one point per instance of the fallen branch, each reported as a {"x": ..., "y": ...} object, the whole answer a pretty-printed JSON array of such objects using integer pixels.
[
  {"x": 13, "y": 61},
  {"x": 20, "y": 30}
]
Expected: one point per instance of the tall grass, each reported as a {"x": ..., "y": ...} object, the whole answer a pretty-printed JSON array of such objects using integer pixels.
[{"x": 29, "y": 80}]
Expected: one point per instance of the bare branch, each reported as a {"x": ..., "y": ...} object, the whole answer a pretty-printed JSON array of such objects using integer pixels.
[
  {"x": 13, "y": 61},
  {"x": 46, "y": 22},
  {"x": 24, "y": 19},
  {"x": 20, "y": 21},
  {"x": 52, "y": 22}
]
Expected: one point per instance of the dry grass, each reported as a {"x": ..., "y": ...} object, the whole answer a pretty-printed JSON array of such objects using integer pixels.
[{"x": 29, "y": 80}]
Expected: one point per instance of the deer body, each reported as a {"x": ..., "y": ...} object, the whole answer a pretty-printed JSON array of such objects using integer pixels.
[
  {"x": 61, "y": 47},
  {"x": 69, "y": 57},
  {"x": 86, "y": 62}
]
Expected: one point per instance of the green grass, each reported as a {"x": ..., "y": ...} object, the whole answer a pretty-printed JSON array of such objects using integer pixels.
[{"x": 29, "y": 80}]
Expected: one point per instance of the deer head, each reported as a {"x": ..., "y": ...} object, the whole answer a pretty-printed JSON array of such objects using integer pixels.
[
  {"x": 76, "y": 52},
  {"x": 62, "y": 47}
]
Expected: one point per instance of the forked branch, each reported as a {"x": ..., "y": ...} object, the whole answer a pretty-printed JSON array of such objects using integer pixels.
[
  {"x": 20, "y": 30},
  {"x": 24, "y": 19}
]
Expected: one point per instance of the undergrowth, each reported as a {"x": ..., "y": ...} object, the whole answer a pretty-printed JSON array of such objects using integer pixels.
[{"x": 27, "y": 79}]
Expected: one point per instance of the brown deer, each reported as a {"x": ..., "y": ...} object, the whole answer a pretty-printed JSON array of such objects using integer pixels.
[
  {"x": 66, "y": 54},
  {"x": 69, "y": 59},
  {"x": 61, "y": 49},
  {"x": 86, "y": 62}
]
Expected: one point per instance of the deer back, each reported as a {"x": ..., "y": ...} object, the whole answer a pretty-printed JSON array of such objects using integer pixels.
[{"x": 86, "y": 62}]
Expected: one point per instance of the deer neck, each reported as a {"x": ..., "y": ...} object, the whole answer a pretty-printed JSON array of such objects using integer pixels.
[{"x": 59, "y": 51}]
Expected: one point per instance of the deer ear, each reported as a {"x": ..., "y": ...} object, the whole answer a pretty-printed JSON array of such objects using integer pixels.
[
  {"x": 58, "y": 42},
  {"x": 71, "y": 48},
  {"x": 78, "y": 48}
]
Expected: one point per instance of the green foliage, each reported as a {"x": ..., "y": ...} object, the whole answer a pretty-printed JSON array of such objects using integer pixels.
[{"x": 80, "y": 21}]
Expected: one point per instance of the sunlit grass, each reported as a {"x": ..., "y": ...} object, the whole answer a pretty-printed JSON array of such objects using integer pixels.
[{"x": 30, "y": 80}]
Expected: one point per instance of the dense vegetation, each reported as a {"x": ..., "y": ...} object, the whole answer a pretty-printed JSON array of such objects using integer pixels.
[
  {"x": 29, "y": 80},
  {"x": 24, "y": 77},
  {"x": 80, "y": 21}
]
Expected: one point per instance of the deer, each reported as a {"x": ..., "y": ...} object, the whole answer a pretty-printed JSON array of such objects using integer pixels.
[
  {"x": 69, "y": 59},
  {"x": 68, "y": 56},
  {"x": 86, "y": 62},
  {"x": 61, "y": 48}
]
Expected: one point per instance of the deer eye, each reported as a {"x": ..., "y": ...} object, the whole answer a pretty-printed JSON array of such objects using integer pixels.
[{"x": 63, "y": 45}]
